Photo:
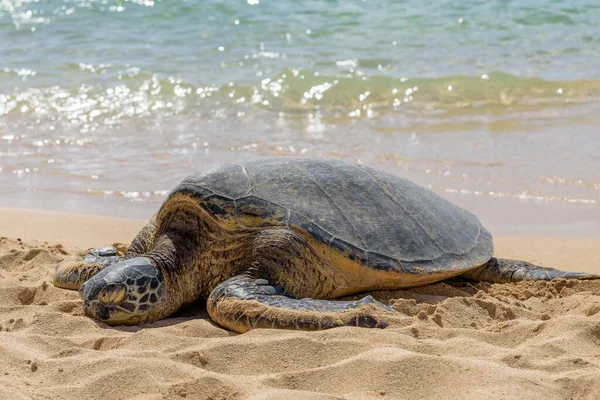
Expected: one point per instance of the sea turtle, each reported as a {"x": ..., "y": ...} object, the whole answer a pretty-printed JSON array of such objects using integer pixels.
[{"x": 269, "y": 243}]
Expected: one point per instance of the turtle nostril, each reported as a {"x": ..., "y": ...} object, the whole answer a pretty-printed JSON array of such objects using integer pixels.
[{"x": 112, "y": 294}]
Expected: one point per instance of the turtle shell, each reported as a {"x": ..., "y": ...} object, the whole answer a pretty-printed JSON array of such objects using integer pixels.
[{"x": 379, "y": 219}]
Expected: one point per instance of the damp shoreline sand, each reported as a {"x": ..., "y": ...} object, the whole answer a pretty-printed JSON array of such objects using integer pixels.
[
  {"x": 93, "y": 123},
  {"x": 476, "y": 341}
]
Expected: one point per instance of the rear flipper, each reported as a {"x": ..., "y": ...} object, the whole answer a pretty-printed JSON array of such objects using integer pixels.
[
  {"x": 72, "y": 275},
  {"x": 242, "y": 303},
  {"x": 502, "y": 270}
]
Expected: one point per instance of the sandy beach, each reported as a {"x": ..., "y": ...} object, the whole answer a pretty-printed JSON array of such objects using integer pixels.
[
  {"x": 474, "y": 340},
  {"x": 106, "y": 106}
]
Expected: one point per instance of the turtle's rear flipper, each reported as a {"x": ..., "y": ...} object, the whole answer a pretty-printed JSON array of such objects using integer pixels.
[
  {"x": 242, "y": 303},
  {"x": 502, "y": 270},
  {"x": 71, "y": 275}
]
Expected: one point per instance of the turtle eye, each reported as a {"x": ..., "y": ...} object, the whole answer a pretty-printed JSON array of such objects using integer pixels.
[
  {"x": 113, "y": 293},
  {"x": 81, "y": 290}
]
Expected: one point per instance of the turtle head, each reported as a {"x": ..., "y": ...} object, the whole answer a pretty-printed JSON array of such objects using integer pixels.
[{"x": 128, "y": 292}]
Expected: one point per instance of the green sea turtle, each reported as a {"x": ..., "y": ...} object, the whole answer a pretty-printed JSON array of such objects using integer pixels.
[{"x": 270, "y": 243}]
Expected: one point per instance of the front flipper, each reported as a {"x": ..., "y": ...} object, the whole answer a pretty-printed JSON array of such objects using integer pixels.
[
  {"x": 71, "y": 275},
  {"x": 242, "y": 303},
  {"x": 502, "y": 270}
]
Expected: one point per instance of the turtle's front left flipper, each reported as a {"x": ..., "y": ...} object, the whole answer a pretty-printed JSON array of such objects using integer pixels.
[
  {"x": 242, "y": 303},
  {"x": 71, "y": 275},
  {"x": 503, "y": 270}
]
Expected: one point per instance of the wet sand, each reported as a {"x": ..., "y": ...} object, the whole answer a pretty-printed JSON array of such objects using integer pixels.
[{"x": 468, "y": 340}]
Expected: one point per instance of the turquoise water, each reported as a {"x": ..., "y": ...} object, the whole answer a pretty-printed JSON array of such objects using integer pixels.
[{"x": 104, "y": 105}]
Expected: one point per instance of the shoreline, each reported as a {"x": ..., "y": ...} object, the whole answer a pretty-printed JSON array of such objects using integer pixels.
[
  {"x": 82, "y": 231},
  {"x": 502, "y": 216},
  {"x": 69, "y": 229}
]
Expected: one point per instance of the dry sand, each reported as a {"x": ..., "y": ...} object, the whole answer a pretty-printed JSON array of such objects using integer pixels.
[{"x": 526, "y": 340}]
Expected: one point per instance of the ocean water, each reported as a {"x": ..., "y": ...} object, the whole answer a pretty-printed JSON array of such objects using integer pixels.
[{"x": 105, "y": 105}]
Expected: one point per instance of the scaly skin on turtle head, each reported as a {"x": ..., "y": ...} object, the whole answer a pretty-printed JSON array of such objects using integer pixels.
[{"x": 126, "y": 293}]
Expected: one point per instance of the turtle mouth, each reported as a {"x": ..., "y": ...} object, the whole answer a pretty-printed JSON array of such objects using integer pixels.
[
  {"x": 118, "y": 305},
  {"x": 114, "y": 314}
]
